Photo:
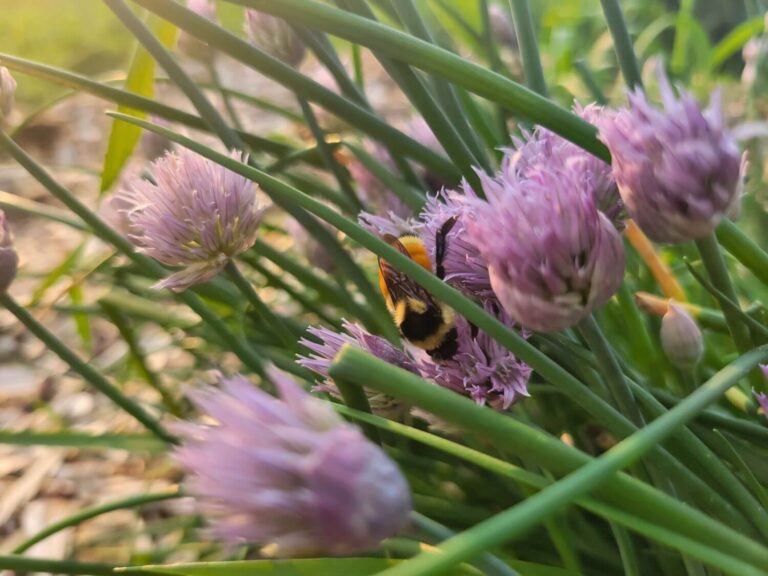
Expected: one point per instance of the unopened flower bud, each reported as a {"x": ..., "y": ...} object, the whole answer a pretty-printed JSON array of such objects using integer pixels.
[
  {"x": 9, "y": 260},
  {"x": 7, "y": 92},
  {"x": 681, "y": 338},
  {"x": 678, "y": 169},
  {"x": 275, "y": 36}
]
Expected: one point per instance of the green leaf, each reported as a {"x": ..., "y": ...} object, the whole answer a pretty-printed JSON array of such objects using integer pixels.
[
  {"x": 141, "y": 80},
  {"x": 308, "y": 567},
  {"x": 67, "y": 439},
  {"x": 734, "y": 41}
]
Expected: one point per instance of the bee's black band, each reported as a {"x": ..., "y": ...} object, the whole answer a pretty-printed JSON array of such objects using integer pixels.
[{"x": 448, "y": 347}]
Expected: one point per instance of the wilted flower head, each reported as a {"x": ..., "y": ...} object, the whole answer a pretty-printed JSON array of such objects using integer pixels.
[
  {"x": 482, "y": 369},
  {"x": 153, "y": 144},
  {"x": 314, "y": 251},
  {"x": 275, "y": 36},
  {"x": 189, "y": 44},
  {"x": 9, "y": 260},
  {"x": 681, "y": 338},
  {"x": 502, "y": 29},
  {"x": 544, "y": 148},
  {"x": 289, "y": 474},
  {"x": 678, "y": 170},
  {"x": 552, "y": 256},
  {"x": 204, "y": 8},
  {"x": 330, "y": 342},
  {"x": 462, "y": 265},
  {"x": 194, "y": 213},
  {"x": 373, "y": 191},
  {"x": 755, "y": 54},
  {"x": 7, "y": 92}
]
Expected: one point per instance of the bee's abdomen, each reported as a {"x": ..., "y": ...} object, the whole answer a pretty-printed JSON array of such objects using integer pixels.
[
  {"x": 431, "y": 330},
  {"x": 419, "y": 327},
  {"x": 447, "y": 348}
]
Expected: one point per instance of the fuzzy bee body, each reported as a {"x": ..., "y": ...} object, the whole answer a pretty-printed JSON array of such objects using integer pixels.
[{"x": 422, "y": 320}]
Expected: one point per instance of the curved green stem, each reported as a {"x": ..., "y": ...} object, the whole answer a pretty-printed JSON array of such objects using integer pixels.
[
  {"x": 225, "y": 94},
  {"x": 622, "y": 43},
  {"x": 25, "y": 565},
  {"x": 529, "y": 47},
  {"x": 504, "y": 469},
  {"x": 88, "y": 372},
  {"x": 270, "y": 319},
  {"x": 588, "y": 475},
  {"x": 331, "y": 164},
  {"x": 132, "y": 100},
  {"x": 228, "y": 136},
  {"x": 93, "y": 512},
  {"x": 743, "y": 248},
  {"x": 436, "y": 532},
  {"x": 714, "y": 263},
  {"x": 405, "y": 48},
  {"x": 609, "y": 366}
]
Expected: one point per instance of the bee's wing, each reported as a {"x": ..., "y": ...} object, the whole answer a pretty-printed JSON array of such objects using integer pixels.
[{"x": 399, "y": 285}]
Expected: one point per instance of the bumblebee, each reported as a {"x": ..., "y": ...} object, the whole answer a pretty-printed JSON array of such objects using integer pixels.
[{"x": 421, "y": 319}]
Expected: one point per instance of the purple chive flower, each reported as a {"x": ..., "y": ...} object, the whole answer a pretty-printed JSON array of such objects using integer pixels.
[
  {"x": 275, "y": 36},
  {"x": 544, "y": 148},
  {"x": 482, "y": 369},
  {"x": 9, "y": 259},
  {"x": 195, "y": 214},
  {"x": 464, "y": 268},
  {"x": 7, "y": 92},
  {"x": 330, "y": 342},
  {"x": 681, "y": 338},
  {"x": 761, "y": 397},
  {"x": 678, "y": 169},
  {"x": 552, "y": 256},
  {"x": 289, "y": 474}
]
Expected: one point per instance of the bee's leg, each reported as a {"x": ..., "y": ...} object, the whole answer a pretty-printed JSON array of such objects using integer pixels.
[{"x": 440, "y": 245}]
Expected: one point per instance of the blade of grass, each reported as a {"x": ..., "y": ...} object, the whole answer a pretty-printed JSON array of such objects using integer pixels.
[
  {"x": 415, "y": 88},
  {"x": 331, "y": 164},
  {"x": 130, "y": 100},
  {"x": 71, "y": 439},
  {"x": 353, "y": 363},
  {"x": 93, "y": 512},
  {"x": 141, "y": 80},
  {"x": 717, "y": 271},
  {"x": 277, "y": 326},
  {"x": 210, "y": 115},
  {"x": 22, "y": 564},
  {"x": 529, "y": 47},
  {"x": 431, "y": 59},
  {"x": 299, "y": 297},
  {"x": 412, "y": 197},
  {"x": 88, "y": 372},
  {"x": 622, "y": 43},
  {"x": 244, "y": 52},
  {"x": 123, "y": 326},
  {"x": 445, "y": 93},
  {"x": 744, "y": 249}
]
